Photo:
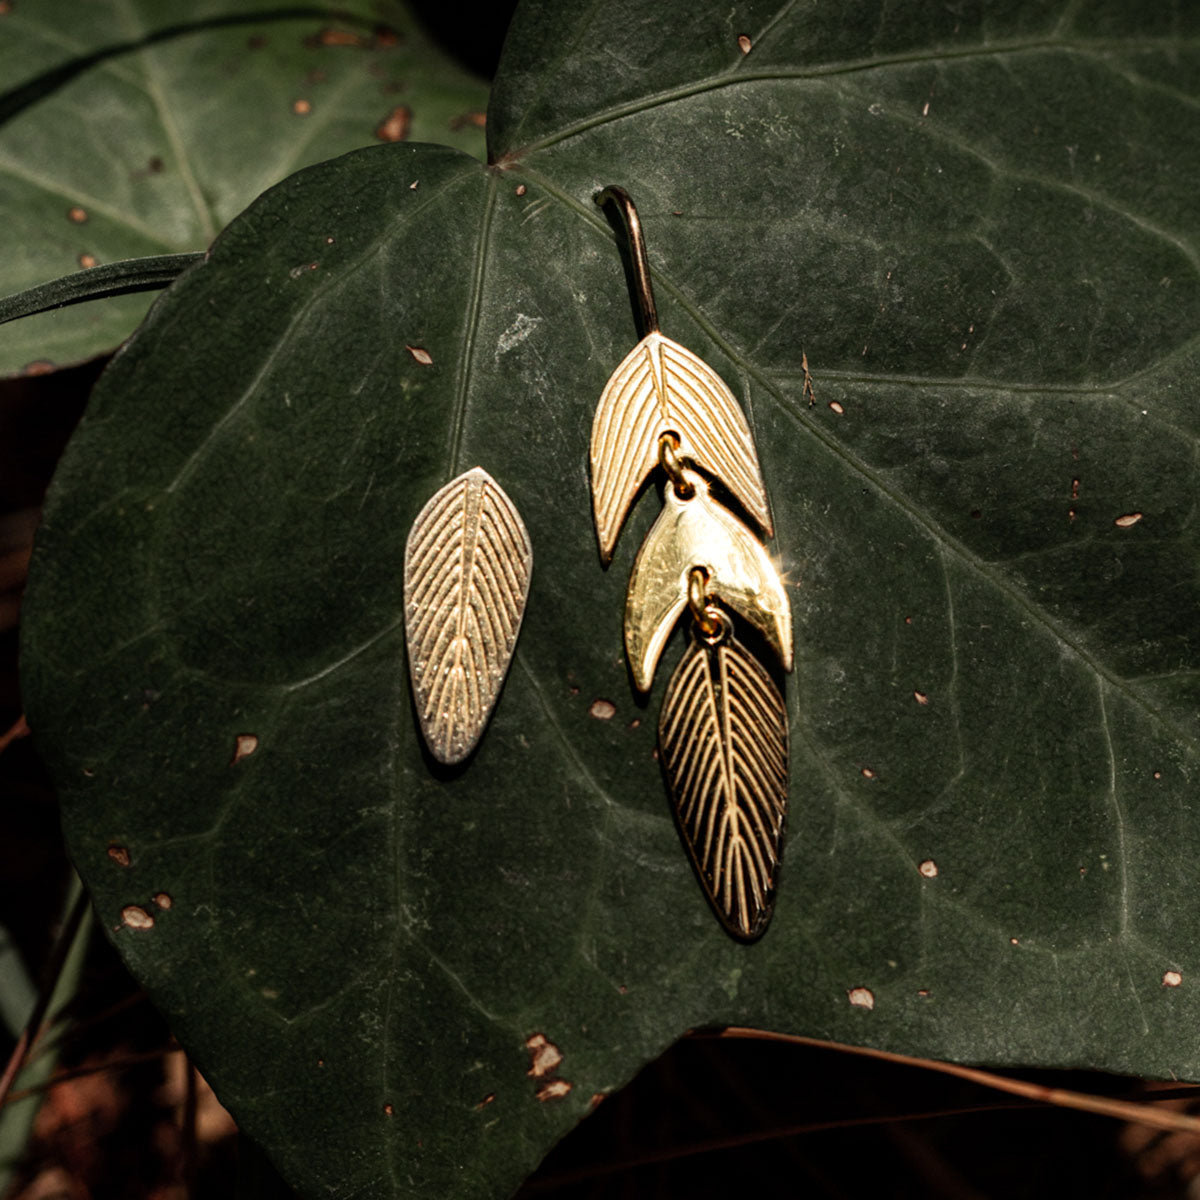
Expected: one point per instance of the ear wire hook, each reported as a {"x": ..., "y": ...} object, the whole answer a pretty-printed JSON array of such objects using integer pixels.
[{"x": 637, "y": 253}]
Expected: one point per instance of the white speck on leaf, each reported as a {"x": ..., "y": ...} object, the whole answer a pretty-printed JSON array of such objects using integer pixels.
[
  {"x": 861, "y": 997},
  {"x": 516, "y": 333}
]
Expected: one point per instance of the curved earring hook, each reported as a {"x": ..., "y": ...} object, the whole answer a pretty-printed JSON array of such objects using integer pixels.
[{"x": 637, "y": 253}]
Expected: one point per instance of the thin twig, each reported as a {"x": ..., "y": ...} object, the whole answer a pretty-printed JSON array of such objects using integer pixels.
[
  {"x": 18, "y": 729},
  {"x": 1030, "y": 1096},
  {"x": 63, "y": 1038},
  {"x": 109, "y": 1064},
  {"x": 1139, "y": 1113},
  {"x": 58, "y": 958},
  {"x": 187, "y": 1141}
]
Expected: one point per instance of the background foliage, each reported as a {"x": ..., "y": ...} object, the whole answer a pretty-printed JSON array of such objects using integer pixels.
[{"x": 131, "y": 127}]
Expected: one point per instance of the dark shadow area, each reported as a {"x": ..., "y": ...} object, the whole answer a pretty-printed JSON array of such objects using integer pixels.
[
  {"x": 469, "y": 31},
  {"x": 38, "y": 413},
  {"x": 726, "y": 1117}
]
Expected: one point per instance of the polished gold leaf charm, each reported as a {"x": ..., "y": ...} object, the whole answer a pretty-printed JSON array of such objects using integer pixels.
[
  {"x": 663, "y": 388},
  {"x": 466, "y": 579},
  {"x": 693, "y": 530},
  {"x": 723, "y": 731},
  {"x": 723, "y": 740}
]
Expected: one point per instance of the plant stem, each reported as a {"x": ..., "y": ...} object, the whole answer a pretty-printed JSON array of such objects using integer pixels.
[
  {"x": 111, "y": 279},
  {"x": 71, "y": 930}
]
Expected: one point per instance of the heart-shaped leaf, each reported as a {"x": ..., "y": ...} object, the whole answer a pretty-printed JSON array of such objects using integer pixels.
[
  {"x": 133, "y": 127},
  {"x": 948, "y": 264}
]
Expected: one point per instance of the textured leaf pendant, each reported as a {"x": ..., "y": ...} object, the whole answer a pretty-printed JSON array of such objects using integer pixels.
[
  {"x": 467, "y": 568},
  {"x": 723, "y": 736},
  {"x": 663, "y": 388},
  {"x": 723, "y": 739},
  {"x": 693, "y": 530}
]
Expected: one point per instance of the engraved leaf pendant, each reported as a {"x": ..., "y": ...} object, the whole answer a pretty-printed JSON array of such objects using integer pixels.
[
  {"x": 698, "y": 532},
  {"x": 723, "y": 739},
  {"x": 467, "y": 568},
  {"x": 662, "y": 387}
]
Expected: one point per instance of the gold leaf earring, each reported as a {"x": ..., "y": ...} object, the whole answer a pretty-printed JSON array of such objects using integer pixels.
[
  {"x": 723, "y": 735},
  {"x": 467, "y": 566}
]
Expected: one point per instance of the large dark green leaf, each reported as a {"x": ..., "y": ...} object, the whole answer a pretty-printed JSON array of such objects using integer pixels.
[
  {"x": 982, "y": 235},
  {"x": 134, "y": 127}
]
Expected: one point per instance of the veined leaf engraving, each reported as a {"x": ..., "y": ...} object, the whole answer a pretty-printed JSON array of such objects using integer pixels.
[
  {"x": 663, "y": 387},
  {"x": 723, "y": 738},
  {"x": 699, "y": 532},
  {"x": 467, "y": 567}
]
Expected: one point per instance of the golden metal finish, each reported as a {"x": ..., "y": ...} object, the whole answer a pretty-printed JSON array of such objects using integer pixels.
[
  {"x": 466, "y": 579},
  {"x": 663, "y": 388},
  {"x": 699, "y": 532},
  {"x": 723, "y": 739},
  {"x": 668, "y": 459},
  {"x": 642, "y": 286},
  {"x": 723, "y": 734},
  {"x": 709, "y": 619}
]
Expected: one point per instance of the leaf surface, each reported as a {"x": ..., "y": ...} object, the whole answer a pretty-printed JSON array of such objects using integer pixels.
[
  {"x": 978, "y": 234},
  {"x": 133, "y": 127}
]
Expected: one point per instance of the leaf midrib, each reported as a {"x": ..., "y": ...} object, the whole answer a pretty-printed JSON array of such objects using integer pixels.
[
  {"x": 154, "y": 88},
  {"x": 1095, "y": 46}
]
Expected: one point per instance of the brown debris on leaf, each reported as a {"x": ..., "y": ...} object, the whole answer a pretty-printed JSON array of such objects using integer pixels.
[
  {"x": 336, "y": 37},
  {"x": 544, "y": 1055},
  {"x": 244, "y": 745},
  {"x": 395, "y": 126},
  {"x": 133, "y": 916}
]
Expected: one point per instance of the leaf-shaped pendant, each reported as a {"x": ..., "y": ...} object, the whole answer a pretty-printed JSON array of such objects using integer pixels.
[
  {"x": 723, "y": 739},
  {"x": 662, "y": 387},
  {"x": 466, "y": 579},
  {"x": 690, "y": 532}
]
